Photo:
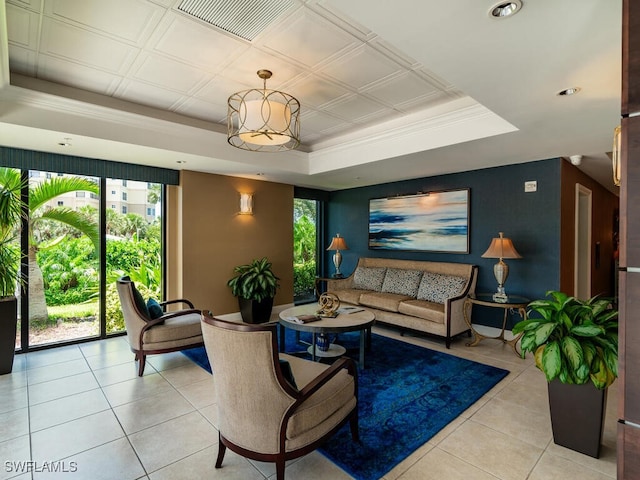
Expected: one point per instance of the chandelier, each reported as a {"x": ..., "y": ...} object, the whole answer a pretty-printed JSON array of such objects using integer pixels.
[{"x": 263, "y": 120}]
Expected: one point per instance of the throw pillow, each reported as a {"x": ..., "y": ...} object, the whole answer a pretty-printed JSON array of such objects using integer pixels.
[
  {"x": 285, "y": 368},
  {"x": 437, "y": 287},
  {"x": 369, "y": 278},
  {"x": 140, "y": 303},
  {"x": 155, "y": 310},
  {"x": 402, "y": 282}
]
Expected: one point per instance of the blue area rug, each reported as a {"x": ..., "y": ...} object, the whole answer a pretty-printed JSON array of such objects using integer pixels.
[{"x": 407, "y": 394}]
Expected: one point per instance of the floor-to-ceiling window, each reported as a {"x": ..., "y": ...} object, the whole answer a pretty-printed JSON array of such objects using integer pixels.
[
  {"x": 305, "y": 249},
  {"x": 78, "y": 238},
  {"x": 133, "y": 242},
  {"x": 64, "y": 253}
]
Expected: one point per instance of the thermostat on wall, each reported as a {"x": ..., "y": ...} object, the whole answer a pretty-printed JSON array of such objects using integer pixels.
[{"x": 531, "y": 186}]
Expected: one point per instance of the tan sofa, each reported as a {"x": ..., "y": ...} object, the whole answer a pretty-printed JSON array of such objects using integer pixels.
[{"x": 423, "y": 296}]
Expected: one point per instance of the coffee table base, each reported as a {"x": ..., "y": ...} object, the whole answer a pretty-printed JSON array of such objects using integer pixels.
[{"x": 334, "y": 351}]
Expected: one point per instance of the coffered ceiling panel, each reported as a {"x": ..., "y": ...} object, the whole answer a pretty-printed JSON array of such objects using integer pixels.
[
  {"x": 194, "y": 107},
  {"x": 246, "y": 66},
  {"x": 106, "y": 17},
  {"x": 168, "y": 73},
  {"x": 309, "y": 40},
  {"x": 75, "y": 75},
  {"x": 361, "y": 67},
  {"x": 22, "y": 61},
  {"x": 357, "y": 109},
  {"x": 195, "y": 43},
  {"x": 146, "y": 94},
  {"x": 35, "y": 5},
  {"x": 315, "y": 92},
  {"x": 75, "y": 44},
  {"x": 219, "y": 88},
  {"x": 23, "y": 30},
  {"x": 405, "y": 91}
]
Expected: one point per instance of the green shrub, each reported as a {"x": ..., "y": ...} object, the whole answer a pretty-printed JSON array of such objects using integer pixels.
[{"x": 304, "y": 276}]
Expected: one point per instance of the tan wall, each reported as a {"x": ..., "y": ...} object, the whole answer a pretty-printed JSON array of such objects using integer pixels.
[
  {"x": 604, "y": 205},
  {"x": 207, "y": 238}
]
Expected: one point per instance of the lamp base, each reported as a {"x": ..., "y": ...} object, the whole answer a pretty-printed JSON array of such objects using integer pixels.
[{"x": 500, "y": 297}]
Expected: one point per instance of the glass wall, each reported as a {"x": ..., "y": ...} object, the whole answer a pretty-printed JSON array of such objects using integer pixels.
[
  {"x": 134, "y": 242},
  {"x": 305, "y": 249},
  {"x": 70, "y": 219},
  {"x": 64, "y": 267}
]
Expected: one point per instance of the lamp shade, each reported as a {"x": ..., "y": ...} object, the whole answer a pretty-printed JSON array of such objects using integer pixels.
[
  {"x": 501, "y": 247},
  {"x": 263, "y": 120},
  {"x": 338, "y": 243}
]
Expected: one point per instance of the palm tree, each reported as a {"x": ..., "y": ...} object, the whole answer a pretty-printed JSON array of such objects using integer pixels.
[
  {"x": 39, "y": 195},
  {"x": 10, "y": 214}
]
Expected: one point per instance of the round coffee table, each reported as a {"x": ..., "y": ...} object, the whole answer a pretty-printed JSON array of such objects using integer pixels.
[{"x": 345, "y": 322}]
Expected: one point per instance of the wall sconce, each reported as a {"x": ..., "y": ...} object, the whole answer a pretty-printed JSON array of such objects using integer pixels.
[
  {"x": 246, "y": 204},
  {"x": 615, "y": 155}
]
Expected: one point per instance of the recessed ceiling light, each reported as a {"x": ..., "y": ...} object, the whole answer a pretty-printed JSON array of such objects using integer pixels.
[
  {"x": 65, "y": 143},
  {"x": 181, "y": 161},
  {"x": 505, "y": 9},
  {"x": 569, "y": 91}
]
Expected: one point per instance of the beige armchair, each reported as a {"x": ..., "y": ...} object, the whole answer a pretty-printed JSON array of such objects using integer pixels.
[
  {"x": 172, "y": 331},
  {"x": 261, "y": 414}
]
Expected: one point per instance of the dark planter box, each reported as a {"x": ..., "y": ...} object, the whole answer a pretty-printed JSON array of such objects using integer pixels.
[
  {"x": 255, "y": 312},
  {"x": 8, "y": 321},
  {"x": 577, "y": 416}
]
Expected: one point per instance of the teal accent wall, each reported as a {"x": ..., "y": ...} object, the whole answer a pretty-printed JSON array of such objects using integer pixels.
[{"x": 498, "y": 203}]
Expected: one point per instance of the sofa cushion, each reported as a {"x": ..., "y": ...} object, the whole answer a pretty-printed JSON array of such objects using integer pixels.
[
  {"x": 402, "y": 282},
  {"x": 383, "y": 301},
  {"x": 437, "y": 288},
  {"x": 350, "y": 295},
  {"x": 369, "y": 278},
  {"x": 434, "y": 312}
]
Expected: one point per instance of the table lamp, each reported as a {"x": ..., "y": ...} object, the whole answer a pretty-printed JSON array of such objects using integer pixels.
[
  {"x": 501, "y": 247},
  {"x": 337, "y": 244}
]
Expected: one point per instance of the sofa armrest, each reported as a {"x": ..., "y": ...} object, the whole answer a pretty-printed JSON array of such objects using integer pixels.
[
  {"x": 339, "y": 283},
  {"x": 453, "y": 307}
]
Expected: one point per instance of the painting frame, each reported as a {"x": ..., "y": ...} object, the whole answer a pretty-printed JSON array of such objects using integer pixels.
[{"x": 436, "y": 221}]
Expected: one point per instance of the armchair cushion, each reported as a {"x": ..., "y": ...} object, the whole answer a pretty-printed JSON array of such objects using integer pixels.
[
  {"x": 155, "y": 310},
  {"x": 140, "y": 303}
]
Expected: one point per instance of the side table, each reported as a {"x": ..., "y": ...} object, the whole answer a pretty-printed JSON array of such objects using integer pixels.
[{"x": 514, "y": 303}]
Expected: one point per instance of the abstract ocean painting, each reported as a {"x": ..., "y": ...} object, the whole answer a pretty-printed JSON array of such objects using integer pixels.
[{"x": 434, "y": 221}]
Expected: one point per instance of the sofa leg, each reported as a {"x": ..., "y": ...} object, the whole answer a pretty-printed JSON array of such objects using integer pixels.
[{"x": 447, "y": 342}]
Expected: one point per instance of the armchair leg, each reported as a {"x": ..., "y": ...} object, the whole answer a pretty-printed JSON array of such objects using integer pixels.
[
  {"x": 222, "y": 448},
  {"x": 280, "y": 468},
  {"x": 353, "y": 424},
  {"x": 142, "y": 359}
]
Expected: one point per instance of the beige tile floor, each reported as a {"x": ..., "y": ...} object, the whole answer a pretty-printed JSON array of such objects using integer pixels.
[{"x": 84, "y": 405}]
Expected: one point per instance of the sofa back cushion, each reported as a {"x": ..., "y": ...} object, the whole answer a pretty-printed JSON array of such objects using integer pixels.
[
  {"x": 402, "y": 282},
  {"x": 437, "y": 288},
  {"x": 369, "y": 278}
]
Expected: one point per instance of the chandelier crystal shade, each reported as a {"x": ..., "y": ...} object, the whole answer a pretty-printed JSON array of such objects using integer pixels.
[{"x": 263, "y": 120}]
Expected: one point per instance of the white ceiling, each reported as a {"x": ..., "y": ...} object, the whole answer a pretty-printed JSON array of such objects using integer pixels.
[{"x": 389, "y": 90}]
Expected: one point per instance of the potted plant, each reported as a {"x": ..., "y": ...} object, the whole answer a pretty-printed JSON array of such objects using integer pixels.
[
  {"x": 11, "y": 212},
  {"x": 255, "y": 286},
  {"x": 575, "y": 344}
]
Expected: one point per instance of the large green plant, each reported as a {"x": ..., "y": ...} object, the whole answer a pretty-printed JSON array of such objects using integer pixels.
[
  {"x": 573, "y": 340},
  {"x": 254, "y": 281},
  {"x": 12, "y": 210}
]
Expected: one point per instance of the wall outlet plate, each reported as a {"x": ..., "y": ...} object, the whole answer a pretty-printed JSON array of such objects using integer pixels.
[{"x": 531, "y": 186}]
